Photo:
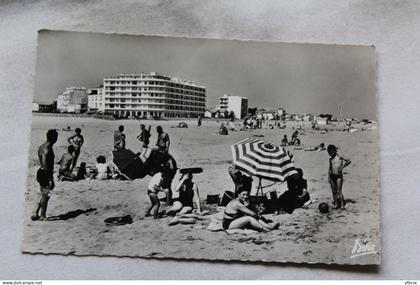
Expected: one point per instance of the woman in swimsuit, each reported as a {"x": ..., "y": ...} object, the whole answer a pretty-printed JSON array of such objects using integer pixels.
[
  {"x": 188, "y": 194},
  {"x": 238, "y": 216},
  {"x": 77, "y": 141}
]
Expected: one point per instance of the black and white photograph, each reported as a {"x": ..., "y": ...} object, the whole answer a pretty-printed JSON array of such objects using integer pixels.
[{"x": 203, "y": 149}]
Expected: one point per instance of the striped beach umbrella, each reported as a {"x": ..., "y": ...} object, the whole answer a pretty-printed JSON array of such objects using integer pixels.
[{"x": 262, "y": 159}]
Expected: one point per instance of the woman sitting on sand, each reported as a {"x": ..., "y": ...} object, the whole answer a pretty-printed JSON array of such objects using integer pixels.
[
  {"x": 238, "y": 216},
  {"x": 188, "y": 191}
]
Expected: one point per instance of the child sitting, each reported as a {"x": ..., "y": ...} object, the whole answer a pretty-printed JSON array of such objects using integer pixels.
[
  {"x": 102, "y": 169},
  {"x": 81, "y": 171}
]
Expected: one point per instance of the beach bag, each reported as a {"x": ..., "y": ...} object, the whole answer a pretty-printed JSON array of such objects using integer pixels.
[
  {"x": 212, "y": 199},
  {"x": 226, "y": 198},
  {"x": 254, "y": 200}
]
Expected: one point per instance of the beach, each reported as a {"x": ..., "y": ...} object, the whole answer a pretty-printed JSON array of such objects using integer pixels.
[{"x": 80, "y": 208}]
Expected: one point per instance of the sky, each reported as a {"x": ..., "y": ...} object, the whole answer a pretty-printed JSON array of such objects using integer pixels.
[{"x": 301, "y": 78}]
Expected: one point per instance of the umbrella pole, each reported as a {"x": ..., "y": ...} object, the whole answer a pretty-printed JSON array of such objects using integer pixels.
[{"x": 259, "y": 187}]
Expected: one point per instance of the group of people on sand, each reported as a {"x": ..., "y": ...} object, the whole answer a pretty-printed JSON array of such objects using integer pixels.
[
  {"x": 239, "y": 213},
  {"x": 295, "y": 140}
]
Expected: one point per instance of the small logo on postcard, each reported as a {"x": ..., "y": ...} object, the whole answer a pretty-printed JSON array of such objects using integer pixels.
[{"x": 362, "y": 247}]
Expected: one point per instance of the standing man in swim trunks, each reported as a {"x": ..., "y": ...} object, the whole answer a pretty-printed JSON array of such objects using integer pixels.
[
  {"x": 119, "y": 138},
  {"x": 163, "y": 141},
  {"x": 77, "y": 141},
  {"x": 45, "y": 175},
  {"x": 335, "y": 175}
]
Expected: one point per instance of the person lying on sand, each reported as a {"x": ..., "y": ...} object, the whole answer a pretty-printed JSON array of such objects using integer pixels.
[
  {"x": 238, "y": 216},
  {"x": 335, "y": 175},
  {"x": 158, "y": 184},
  {"x": 66, "y": 162},
  {"x": 320, "y": 147},
  {"x": 188, "y": 191}
]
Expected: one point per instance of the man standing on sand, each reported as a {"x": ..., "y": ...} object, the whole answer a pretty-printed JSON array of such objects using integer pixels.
[
  {"x": 77, "y": 141},
  {"x": 119, "y": 138},
  {"x": 163, "y": 141},
  {"x": 44, "y": 175},
  {"x": 335, "y": 175},
  {"x": 144, "y": 136}
]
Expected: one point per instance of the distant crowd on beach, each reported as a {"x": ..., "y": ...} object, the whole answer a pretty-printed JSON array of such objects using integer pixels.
[{"x": 239, "y": 212}]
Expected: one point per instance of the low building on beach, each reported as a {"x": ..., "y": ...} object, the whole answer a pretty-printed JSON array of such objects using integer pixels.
[
  {"x": 73, "y": 100},
  {"x": 153, "y": 95},
  {"x": 42, "y": 107},
  {"x": 236, "y": 104},
  {"x": 321, "y": 121}
]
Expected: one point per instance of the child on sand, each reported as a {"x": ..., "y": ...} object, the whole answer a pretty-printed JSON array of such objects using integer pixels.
[
  {"x": 157, "y": 184},
  {"x": 101, "y": 168},
  {"x": 284, "y": 141},
  {"x": 335, "y": 175},
  {"x": 81, "y": 171}
]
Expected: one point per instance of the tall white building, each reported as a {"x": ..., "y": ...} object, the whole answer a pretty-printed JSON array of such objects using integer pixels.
[
  {"x": 153, "y": 95},
  {"x": 96, "y": 99},
  {"x": 73, "y": 100},
  {"x": 237, "y": 104}
]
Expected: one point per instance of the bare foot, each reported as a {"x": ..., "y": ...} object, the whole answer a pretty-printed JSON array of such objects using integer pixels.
[
  {"x": 174, "y": 221},
  {"x": 35, "y": 218},
  {"x": 276, "y": 226}
]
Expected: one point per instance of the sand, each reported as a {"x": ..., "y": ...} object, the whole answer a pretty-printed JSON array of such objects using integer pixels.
[{"x": 79, "y": 208}]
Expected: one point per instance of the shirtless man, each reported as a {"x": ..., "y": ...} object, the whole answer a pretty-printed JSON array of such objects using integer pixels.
[
  {"x": 77, "y": 141},
  {"x": 163, "y": 141},
  {"x": 66, "y": 162},
  {"x": 335, "y": 175},
  {"x": 144, "y": 136},
  {"x": 119, "y": 138},
  {"x": 45, "y": 175}
]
